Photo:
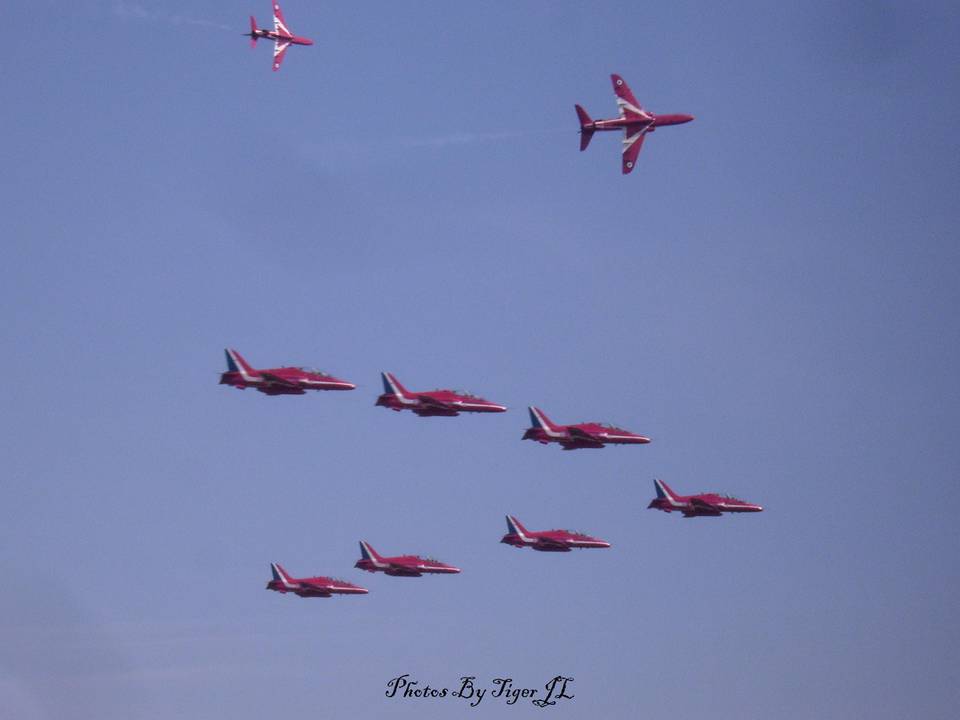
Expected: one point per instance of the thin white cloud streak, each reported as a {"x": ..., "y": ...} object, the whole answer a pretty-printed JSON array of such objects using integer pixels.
[
  {"x": 137, "y": 11},
  {"x": 469, "y": 138}
]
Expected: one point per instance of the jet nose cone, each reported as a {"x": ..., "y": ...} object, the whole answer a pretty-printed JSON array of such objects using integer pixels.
[{"x": 686, "y": 118}]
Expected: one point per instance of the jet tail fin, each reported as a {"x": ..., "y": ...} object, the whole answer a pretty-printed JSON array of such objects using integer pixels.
[
  {"x": 236, "y": 363},
  {"x": 585, "y": 133},
  {"x": 515, "y": 528},
  {"x": 585, "y": 137},
  {"x": 540, "y": 420},
  {"x": 368, "y": 553},
  {"x": 253, "y": 32},
  {"x": 663, "y": 490},
  {"x": 392, "y": 386},
  {"x": 280, "y": 575}
]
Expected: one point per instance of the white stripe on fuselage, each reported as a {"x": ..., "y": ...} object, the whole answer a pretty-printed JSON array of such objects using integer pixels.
[{"x": 308, "y": 381}]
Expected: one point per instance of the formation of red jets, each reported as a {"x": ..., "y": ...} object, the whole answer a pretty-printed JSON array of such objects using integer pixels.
[
  {"x": 293, "y": 380},
  {"x": 636, "y": 123}
]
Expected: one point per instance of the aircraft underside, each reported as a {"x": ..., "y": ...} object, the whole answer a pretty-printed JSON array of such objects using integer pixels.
[{"x": 282, "y": 391}]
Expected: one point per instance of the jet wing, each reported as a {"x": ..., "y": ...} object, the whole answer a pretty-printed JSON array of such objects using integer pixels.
[
  {"x": 631, "y": 147},
  {"x": 279, "y": 24},
  {"x": 431, "y": 406},
  {"x": 404, "y": 570},
  {"x": 579, "y": 438},
  {"x": 431, "y": 401},
  {"x": 279, "y": 50},
  {"x": 310, "y": 588},
  {"x": 704, "y": 508},
  {"x": 277, "y": 380},
  {"x": 579, "y": 434},
  {"x": 626, "y": 102},
  {"x": 552, "y": 544}
]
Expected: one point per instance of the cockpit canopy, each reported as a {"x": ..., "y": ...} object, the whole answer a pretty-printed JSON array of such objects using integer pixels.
[{"x": 464, "y": 393}]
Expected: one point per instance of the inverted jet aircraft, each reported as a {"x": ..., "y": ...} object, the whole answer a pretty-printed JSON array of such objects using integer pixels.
[
  {"x": 281, "y": 36},
  {"x": 702, "y": 505},
  {"x": 278, "y": 381},
  {"x": 311, "y": 587},
  {"x": 582, "y": 435},
  {"x": 548, "y": 540},
  {"x": 402, "y": 565},
  {"x": 634, "y": 121},
  {"x": 445, "y": 403}
]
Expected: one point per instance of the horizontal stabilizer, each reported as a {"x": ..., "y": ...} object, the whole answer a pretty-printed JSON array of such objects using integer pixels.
[
  {"x": 585, "y": 137},
  {"x": 585, "y": 132}
]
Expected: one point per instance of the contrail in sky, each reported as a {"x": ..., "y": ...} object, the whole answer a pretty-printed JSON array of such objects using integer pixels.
[
  {"x": 138, "y": 11},
  {"x": 468, "y": 138}
]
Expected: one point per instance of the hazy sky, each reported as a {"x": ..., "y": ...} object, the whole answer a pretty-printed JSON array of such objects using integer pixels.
[{"x": 772, "y": 296}]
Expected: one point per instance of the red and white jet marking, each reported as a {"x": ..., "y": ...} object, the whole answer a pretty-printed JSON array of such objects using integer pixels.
[
  {"x": 401, "y": 565},
  {"x": 311, "y": 587},
  {"x": 634, "y": 121},
  {"x": 581, "y": 435},
  {"x": 548, "y": 540},
  {"x": 278, "y": 381},
  {"x": 281, "y": 35},
  {"x": 446, "y": 403},
  {"x": 702, "y": 505}
]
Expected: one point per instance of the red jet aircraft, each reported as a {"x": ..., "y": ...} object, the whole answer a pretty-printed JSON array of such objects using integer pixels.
[
  {"x": 583, "y": 435},
  {"x": 548, "y": 540},
  {"x": 281, "y": 35},
  {"x": 702, "y": 505},
  {"x": 634, "y": 121},
  {"x": 447, "y": 403},
  {"x": 278, "y": 381},
  {"x": 311, "y": 587},
  {"x": 402, "y": 565}
]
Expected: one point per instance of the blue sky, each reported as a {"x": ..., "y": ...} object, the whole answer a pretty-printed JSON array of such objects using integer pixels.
[{"x": 771, "y": 296}]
